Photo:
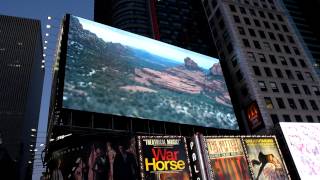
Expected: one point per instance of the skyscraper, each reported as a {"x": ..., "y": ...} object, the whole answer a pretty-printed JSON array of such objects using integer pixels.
[
  {"x": 271, "y": 74},
  {"x": 180, "y": 23},
  {"x": 303, "y": 16},
  {"x": 21, "y": 74}
]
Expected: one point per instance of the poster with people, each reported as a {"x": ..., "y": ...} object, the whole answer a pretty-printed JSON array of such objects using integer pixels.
[
  {"x": 95, "y": 158},
  {"x": 163, "y": 158},
  {"x": 227, "y": 159},
  {"x": 265, "y": 159}
]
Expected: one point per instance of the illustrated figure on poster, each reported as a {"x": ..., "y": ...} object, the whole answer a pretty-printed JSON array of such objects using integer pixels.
[
  {"x": 56, "y": 173},
  {"x": 91, "y": 160},
  {"x": 101, "y": 165},
  {"x": 111, "y": 153},
  {"x": 80, "y": 170},
  {"x": 270, "y": 167},
  {"x": 125, "y": 166}
]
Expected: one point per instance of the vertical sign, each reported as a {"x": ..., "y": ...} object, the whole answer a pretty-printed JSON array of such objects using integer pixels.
[
  {"x": 264, "y": 158},
  {"x": 163, "y": 157},
  {"x": 227, "y": 159},
  {"x": 254, "y": 117}
]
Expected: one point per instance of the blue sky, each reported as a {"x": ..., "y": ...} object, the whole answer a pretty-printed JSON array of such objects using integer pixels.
[{"x": 108, "y": 34}]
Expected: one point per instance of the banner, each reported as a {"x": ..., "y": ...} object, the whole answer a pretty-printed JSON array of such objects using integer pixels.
[
  {"x": 227, "y": 159},
  {"x": 264, "y": 158},
  {"x": 163, "y": 158}
]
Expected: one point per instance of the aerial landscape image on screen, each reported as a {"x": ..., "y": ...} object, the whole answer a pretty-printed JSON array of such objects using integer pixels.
[{"x": 116, "y": 72}]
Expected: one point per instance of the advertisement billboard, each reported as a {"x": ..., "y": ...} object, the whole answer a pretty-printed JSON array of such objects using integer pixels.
[
  {"x": 227, "y": 158},
  {"x": 255, "y": 121},
  {"x": 95, "y": 158},
  {"x": 304, "y": 144},
  {"x": 264, "y": 158},
  {"x": 116, "y": 72},
  {"x": 163, "y": 158}
]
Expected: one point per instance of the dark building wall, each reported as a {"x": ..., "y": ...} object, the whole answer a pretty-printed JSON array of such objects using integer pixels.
[{"x": 21, "y": 84}]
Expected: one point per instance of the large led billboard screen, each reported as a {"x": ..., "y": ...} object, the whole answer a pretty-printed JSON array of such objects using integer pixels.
[
  {"x": 116, "y": 72},
  {"x": 304, "y": 144}
]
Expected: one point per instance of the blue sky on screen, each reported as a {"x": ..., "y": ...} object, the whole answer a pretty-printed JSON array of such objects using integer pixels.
[{"x": 114, "y": 35}]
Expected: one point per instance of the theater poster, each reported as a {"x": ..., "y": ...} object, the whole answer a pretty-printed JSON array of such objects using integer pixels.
[
  {"x": 227, "y": 159},
  {"x": 265, "y": 159},
  {"x": 163, "y": 158}
]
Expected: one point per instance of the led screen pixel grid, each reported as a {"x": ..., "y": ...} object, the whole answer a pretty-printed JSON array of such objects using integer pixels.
[{"x": 116, "y": 72}]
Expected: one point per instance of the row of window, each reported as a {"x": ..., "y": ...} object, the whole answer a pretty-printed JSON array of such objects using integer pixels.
[
  {"x": 291, "y": 104},
  {"x": 254, "y": 57},
  {"x": 298, "y": 118},
  {"x": 279, "y": 74},
  {"x": 252, "y": 12},
  {"x": 285, "y": 88}
]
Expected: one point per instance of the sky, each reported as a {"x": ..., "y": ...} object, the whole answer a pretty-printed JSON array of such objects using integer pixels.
[
  {"x": 41, "y": 9},
  {"x": 110, "y": 34}
]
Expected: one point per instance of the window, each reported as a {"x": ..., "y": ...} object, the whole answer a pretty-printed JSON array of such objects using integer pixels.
[
  {"x": 268, "y": 101},
  {"x": 279, "y": 73},
  {"x": 252, "y": 12},
  {"x": 241, "y": 30},
  {"x": 309, "y": 76},
  {"x": 243, "y": 10},
  {"x": 267, "y": 46},
  {"x": 302, "y": 63},
  {"x": 286, "y": 118},
  {"x": 262, "y": 86},
  {"x": 271, "y": 35},
  {"x": 251, "y": 32},
  {"x": 232, "y": 8},
  {"x": 256, "y": 70},
  {"x": 234, "y": 61},
  {"x": 295, "y": 88},
  {"x": 257, "y": 22},
  {"x": 291, "y": 103},
  {"x": 299, "y": 75},
  {"x": 236, "y": 19},
  {"x": 247, "y": 21},
  {"x": 271, "y": 16},
  {"x": 279, "y": 17},
  {"x": 277, "y": 48},
  {"x": 274, "y": 87},
  {"x": 266, "y": 24},
  {"x": 273, "y": 59},
  {"x": 313, "y": 105},
  {"x": 256, "y": 44},
  {"x": 293, "y": 62},
  {"x": 315, "y": 90},
  {"x": 283, "y": 60},
  {"x": 290, "y": 39},
  {"x": 309, "y": 118},
  {"x": 296, "y": 51},
  {"x": 262, "y": 57},
  {"x": 275, "y": 26},
  {"x": 246, "y": 42},
  {"x": 285, "y": 29},
  {"x": 289, "y": 74},
  {"x": 280, "y": 103},
  {"x": 287, "y": 49},
  {"x": 298, "y": 118},
  {"x": 239, "y": 75},
  {"x": 262, "y": 34},
  {"x": 268, "y": 71},
  {"x": 303, "y": 104},
  {"x": 285, "y": 88},
  {"x": 251, "y": 56},
  {"x": 274, "y": 118},
  {"x": 306, "y": 90},
  {"x": 262, "y": 14}
]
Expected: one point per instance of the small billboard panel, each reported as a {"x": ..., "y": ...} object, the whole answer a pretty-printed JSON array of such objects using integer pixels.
[
  {"x": 116, "y": 72},
  {"x": 163, "y": 158},
  {"x": 304, "y": 144},
  {"x": 264, "y": 158}
]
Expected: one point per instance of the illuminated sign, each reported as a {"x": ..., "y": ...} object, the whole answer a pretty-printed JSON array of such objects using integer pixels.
[
  {"x": 116, "y": 72},
  {"x": 253, "y": 113},
  {"x": 304, "y": 144}
]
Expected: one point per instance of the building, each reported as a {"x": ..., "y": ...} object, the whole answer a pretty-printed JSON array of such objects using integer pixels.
[
  {"x": 180, "y": 23},
  {"x": 302, "y": 15},
  {"x": 270, "y": 71},
  {"x": 22, "y": 73}
]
